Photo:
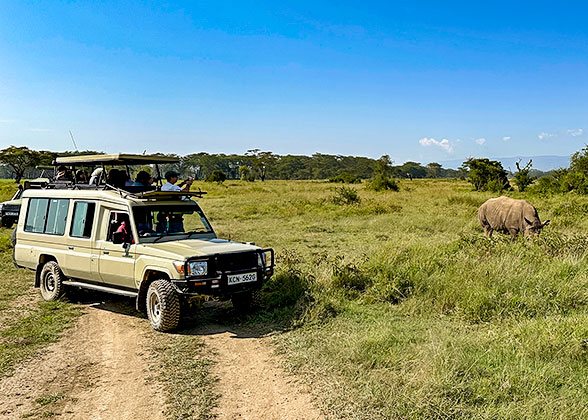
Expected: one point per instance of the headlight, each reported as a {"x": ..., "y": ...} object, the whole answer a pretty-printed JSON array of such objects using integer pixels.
[
  {"x": 261, "y": 259},
  {"x": 197, "y": 268}
]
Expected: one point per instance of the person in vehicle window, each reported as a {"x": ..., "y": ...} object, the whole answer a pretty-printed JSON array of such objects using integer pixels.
[
  {"x": 127, "y": 237},
  {"x": 127, "y": 179},
  {"x": 81, "y": 176},
  {"x": 95, "y": 177},
  {"x": 172, "y": 178},
  {"x": 176, "y": 223},
  {"x": 63, "y": 174},
  {"x": 161, "y": 223},
  {"x": 143, "y": 179}
]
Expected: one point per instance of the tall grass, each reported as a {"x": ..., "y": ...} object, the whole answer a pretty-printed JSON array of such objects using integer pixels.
[{"x": 409, "y": 311}]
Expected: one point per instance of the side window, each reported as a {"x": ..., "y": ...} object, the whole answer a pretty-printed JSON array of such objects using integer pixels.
[
  {"x": 47, "y": 216},
  {"x": 37, "y": 214},
  {"x": 83, "y": 216},
  {"x": 57, "y": 216}
]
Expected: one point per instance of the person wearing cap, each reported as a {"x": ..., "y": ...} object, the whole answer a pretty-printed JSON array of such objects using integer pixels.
[{"x": 170, "y": 185}]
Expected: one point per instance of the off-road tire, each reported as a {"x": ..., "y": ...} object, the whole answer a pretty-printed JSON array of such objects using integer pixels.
[
  {"x": 13, "y": 237},
  {"x": 246, "y": 301},
  {"x": 51, "y": 283},
  {"x": 7, "y": 223},
  {"x": 163, "y": 305}
]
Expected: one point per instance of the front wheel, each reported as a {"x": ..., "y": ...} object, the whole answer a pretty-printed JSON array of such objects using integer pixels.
[
  {"x": 52, "y": 279},
  {"x": 163, "y": 306}
]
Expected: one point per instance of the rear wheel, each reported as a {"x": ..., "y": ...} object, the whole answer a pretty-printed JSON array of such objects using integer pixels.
[
  {"x": 163, "y": 306},
  {"x": 6, "y": 222},
  {"x": 52, "y": 279}
]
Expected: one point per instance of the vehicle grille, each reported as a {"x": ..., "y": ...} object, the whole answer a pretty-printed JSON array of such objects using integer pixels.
[{"x": 236, "y": 261}]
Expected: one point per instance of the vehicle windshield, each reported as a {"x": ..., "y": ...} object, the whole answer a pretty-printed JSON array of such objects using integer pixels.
[{"x": 156, "y": 222}]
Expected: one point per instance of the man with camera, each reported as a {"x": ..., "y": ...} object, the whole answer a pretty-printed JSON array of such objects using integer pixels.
[{"x": 172, "y": 178}]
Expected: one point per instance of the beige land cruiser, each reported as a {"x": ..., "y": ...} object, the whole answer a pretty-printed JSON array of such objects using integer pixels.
[{"x": 134, "y": 241}]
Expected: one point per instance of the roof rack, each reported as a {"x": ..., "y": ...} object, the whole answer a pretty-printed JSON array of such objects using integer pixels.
[
  {"x": 140, "y": 193},
  {"x": 115, "y": 159}
]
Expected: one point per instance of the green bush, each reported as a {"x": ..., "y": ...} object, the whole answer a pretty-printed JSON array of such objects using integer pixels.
[
  {"x": 217, "y": 176},
  {"x": 486, "y": 175},
  {"x": 346, "y": 195},
  {"x": 346, "y": 178},
  {"x": 382, "y": 183}
]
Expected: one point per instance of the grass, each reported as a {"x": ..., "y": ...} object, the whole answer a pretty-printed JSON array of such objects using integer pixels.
[
  {"x": 408, "y": 311},
  {"x": 184, "y": 370},
  {"x": 399, "y": 307},
  {"x": 27, "y": 329}
]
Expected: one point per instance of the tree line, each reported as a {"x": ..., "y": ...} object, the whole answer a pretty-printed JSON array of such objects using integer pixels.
[{"x": 255, "y": 164}]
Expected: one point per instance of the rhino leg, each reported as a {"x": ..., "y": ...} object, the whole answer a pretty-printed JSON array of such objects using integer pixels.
[{"x": 513, "y": 233}]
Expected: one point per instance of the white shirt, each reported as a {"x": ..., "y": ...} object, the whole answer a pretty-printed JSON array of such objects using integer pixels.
[{"x": 168, "y": 186}]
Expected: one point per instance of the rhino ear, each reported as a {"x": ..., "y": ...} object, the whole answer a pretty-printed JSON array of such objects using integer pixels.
[
  {"x": 528, "y": 221},
  {"x": 546, "y": 222}
]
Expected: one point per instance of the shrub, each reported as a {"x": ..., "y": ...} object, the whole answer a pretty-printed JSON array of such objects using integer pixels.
[
  {"x": 217, "y": 176},
  {"x": 246, "y": 173},
  {"x": 346, "y": 178},
  {"x": 382, "y": 183},
  {"x": 346, "y": 195}
]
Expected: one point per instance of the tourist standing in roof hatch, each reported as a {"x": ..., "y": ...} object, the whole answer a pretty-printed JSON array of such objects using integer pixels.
[{"x": 170, "y": 185}]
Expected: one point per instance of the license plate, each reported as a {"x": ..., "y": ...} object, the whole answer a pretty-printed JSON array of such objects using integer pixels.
[
  {"x": 10, "y": 213},
  {"x": 241, "y": 278}
]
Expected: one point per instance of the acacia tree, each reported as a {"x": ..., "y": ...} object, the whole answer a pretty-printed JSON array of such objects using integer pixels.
[
  {"x": 261, "y": 161},
  {"x": 522, "y": 179},
  {"x": 19, "y": 159},
  {"x": 486, "y": 174},
  {"x": 434, "y": 170}
]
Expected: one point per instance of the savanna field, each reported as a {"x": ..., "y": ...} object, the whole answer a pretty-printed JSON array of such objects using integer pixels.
[{"x": 394, "y": 305}]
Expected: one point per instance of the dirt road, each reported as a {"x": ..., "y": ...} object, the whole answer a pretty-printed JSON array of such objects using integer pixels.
[
  {"x": 251, "y": 384},
  {"x": 97, "y": 371},
  {"x": 101, "y": 369}
]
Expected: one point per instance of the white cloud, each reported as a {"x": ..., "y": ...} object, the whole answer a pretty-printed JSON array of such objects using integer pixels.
[
  {"x": 41, "y": 130},
  {"x": 6, "y": 121},
  {"x": 545, "y": 135},
  {"x": 575, "y": 132},
  {"x": 481, "y": 140},
  {"x": 444, "y": 144},
  {"x": 506, "y": 138}
]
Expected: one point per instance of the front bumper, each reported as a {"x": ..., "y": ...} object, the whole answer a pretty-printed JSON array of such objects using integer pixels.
[{"x": 221, "y": 266}]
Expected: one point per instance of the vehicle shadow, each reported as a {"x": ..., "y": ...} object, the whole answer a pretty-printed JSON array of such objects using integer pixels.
[
  {"x": 214, "y": 317},
  {"x": 209, "y": 318}
]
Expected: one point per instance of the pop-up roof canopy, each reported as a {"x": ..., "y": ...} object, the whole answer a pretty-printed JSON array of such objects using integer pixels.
[{"x": 116, "y": 159}]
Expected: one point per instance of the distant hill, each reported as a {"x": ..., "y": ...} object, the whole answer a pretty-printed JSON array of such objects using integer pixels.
[{"x": 543, "y": 163}]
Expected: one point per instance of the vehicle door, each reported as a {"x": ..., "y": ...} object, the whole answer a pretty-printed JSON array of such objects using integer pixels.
[
  {"x": 116, "y": 261},
  {"x": 81, "y": 257}
]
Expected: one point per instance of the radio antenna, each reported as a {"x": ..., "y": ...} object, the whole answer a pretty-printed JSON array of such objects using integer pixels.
[{"x": 73, "y": 141}]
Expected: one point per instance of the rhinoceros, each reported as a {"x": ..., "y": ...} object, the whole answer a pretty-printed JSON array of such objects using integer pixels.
[{"x": 510, "y": 216}]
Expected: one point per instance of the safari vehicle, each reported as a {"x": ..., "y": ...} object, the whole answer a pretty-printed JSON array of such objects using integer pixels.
[
  {"x": 155, "y": 246},
  {"x": 9, "y": 210}
]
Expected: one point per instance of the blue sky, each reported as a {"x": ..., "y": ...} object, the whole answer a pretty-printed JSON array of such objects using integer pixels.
[{"x": 424, "y": 81}]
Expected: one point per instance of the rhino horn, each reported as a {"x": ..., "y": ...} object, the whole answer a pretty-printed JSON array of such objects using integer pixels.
[{"x": 545, "y": 223}]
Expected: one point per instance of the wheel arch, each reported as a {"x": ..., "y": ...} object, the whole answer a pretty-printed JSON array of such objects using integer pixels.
[
  {"x": 43, "y": 259},
  {"x": 149, "y": 276}
]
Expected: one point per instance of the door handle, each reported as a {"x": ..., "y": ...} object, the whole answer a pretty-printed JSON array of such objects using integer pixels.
[
  {"x": 106, "y": 252},
  {"x": 70, "y": 248}
]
